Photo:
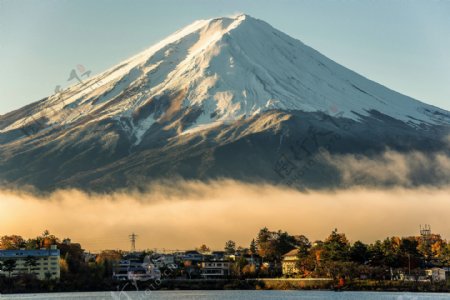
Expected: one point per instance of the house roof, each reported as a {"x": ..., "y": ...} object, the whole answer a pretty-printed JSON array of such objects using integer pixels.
[{"x": 293, "y": 252}]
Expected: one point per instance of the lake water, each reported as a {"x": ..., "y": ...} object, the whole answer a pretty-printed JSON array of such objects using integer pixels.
[{"x": 230, "y": 295}]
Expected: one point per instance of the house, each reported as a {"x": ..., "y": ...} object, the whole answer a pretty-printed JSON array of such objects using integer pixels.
[
  {"x": 214, "y": 269},
  {"x": 163, "y": 260},
  {"x": 44, "y": 263},
  {"x": 135, "y": 270},
  {"x": 192, "y": 256},
  {"x": 254, "y": 260},
  {"x": 218, "y": 255},
  {"x": 436, "y": 274},
  {"x": 120, "y": 269},
  {"x": 289, "y": 263}
]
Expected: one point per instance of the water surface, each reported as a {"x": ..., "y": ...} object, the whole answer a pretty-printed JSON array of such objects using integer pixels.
[{"x": 230, "y": 295}]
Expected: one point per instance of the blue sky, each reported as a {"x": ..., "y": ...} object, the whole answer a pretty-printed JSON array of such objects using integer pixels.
[{"x": 404, "y": 45}]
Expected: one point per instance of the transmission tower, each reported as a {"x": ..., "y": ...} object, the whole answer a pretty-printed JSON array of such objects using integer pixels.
[
  {"x": 133, "y": 238},
  {"x": 425, "y": 231},
  {"x": 425, "y": 234}
]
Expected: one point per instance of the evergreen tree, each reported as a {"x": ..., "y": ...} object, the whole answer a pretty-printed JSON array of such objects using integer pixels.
[{"x": 230, "y": 247}]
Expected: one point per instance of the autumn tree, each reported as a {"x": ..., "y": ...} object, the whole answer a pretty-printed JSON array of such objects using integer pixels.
[
  {"x": 273, "y": 245},
  {"x": 238, "y": 266},
  {"x": 203, "y": 249},
  {"x": 249, "y": 270},
  {"x": 11, "y": 242},
  {"x": 110, "y": 255}
]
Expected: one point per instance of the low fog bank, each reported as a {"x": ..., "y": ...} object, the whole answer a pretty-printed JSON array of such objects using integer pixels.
[
  {"x": 186, "y": 214},
  {"x": 392, "y": 168}
]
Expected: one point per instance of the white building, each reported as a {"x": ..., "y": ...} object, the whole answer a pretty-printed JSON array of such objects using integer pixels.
[
  {"x": 164, "y": 260},
  {"x": 43, "y": 263},
  {"x": 215, "y": 269},
  {"x": 289, "y": 263},
  {"x": 436, "y": 274}
]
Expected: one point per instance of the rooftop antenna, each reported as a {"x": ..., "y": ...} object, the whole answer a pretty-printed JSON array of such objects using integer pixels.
[{"x": 133, "y": 238}]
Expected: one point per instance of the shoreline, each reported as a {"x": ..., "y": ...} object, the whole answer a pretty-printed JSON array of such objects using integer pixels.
[{"x": 275, "y": 284}]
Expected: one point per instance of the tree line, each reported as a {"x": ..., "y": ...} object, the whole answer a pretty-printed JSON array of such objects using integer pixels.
[{"x": 335, "y": 256}]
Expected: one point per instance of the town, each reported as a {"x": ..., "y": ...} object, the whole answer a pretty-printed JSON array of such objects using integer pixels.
[{"x": 272, "y": 260}]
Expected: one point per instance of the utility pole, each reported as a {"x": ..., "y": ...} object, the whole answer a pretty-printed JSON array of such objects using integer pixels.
[
  {"x": 409, "y": 264},
  {"x": 133, "y": 238}
]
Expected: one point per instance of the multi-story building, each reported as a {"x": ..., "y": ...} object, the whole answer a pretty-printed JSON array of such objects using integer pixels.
[
  {"x": 44, "y": 263},
  {"x": 215, "y": 269}
]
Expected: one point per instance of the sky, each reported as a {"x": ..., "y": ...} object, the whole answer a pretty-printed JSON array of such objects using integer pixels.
[{"x": 401, "y": 44}]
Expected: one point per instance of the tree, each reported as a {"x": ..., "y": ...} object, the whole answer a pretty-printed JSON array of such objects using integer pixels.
[
  {"x": 273, "y": 245},
  {"x": 253, "y": 248},
  {"x": 203, "y": 249},
  {"x": 11, "y": 242},
  {"x": 284, "y": 242},
  {"x": 230, "y": 247},
  {"x": 266, "y": 244},
  {"x": 391, "y": 252},
  {"x": 47, "y": 239},
  {"x": 30, "y": 261},
  {"x": 359, "y": 252},
  {"x": 410, "y": 254},
  {"x": 249, "y": 270},
  {"x": 73, "y": 255},
  {"x": 238, "y": 266},
  {"x": 336, "y": 247},
  {"x": 376, "y": 255},
  {"x": 9, "y": 266},
  {"x": 110, "y": 255},
  {"x": 303, "y": 245},
  {"x": 305, "y": 260}
]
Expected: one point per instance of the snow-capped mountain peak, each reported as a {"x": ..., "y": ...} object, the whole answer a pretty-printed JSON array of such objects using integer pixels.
[
  {"x": 221, "y": 98},
  {"x": 224, "y": 69}
]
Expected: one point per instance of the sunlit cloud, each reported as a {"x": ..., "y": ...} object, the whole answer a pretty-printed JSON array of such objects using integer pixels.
[{"x": 190, "y": 213}]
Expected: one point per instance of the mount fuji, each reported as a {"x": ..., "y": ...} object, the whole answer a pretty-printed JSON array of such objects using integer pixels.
[{"x": 230, "y": 97}]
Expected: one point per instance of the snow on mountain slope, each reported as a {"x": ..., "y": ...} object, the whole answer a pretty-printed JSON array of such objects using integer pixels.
[{"x": 228, "y": 69}]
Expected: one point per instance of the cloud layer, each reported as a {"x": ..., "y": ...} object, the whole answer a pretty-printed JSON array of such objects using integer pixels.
[
  {"x": 187, "y": 214},
  {"x": 393, "y": 169}
]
